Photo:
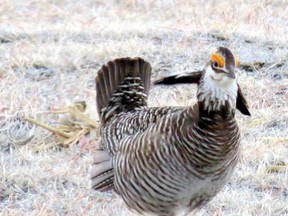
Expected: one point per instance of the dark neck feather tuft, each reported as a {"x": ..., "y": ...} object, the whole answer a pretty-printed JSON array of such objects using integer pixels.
[{"x": 225, "y": 112}]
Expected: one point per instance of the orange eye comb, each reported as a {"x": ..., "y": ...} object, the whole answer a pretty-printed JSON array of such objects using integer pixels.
[{"x": 218, "y": 59}]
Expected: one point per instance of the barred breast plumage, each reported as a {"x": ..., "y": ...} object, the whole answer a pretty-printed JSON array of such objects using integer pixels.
[{"x": 166, "y": 160}]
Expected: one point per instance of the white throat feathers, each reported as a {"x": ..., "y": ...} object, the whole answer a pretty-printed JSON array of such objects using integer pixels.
[{"x": 216, "y": 89}]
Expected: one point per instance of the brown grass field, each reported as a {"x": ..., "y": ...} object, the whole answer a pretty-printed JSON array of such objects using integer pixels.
[{"x": 50, "y": 52}]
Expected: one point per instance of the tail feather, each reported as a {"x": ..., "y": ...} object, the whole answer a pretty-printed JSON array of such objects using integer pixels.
[
  {"x": 122, "y": 85},
  {"x": 102, "y": 174}
]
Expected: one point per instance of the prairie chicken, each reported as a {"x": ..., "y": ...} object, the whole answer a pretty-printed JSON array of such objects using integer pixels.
[{"x": 167, "y": 160}]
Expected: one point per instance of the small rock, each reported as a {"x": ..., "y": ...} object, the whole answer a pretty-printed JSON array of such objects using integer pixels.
[{"x": 38, "y": 73}]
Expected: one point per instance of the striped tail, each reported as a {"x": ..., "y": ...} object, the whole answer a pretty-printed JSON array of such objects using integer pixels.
[{"x": 122, "y": 85}]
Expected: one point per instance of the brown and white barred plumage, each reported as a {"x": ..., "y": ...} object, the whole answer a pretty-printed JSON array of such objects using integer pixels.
[{"x": 163, "y": 160}]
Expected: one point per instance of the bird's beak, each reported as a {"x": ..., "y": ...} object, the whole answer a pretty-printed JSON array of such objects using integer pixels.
[{"x": 231, "y": 74}]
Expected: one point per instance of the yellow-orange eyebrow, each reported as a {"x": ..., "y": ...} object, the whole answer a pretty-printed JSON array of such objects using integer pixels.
[{"x": 218, "y": 59}]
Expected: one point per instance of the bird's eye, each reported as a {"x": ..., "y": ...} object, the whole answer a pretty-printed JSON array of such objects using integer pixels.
[{"x": 215, "y": 64}]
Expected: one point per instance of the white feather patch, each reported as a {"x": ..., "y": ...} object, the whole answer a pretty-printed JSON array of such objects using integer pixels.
[{"x": 216, "y": 89}]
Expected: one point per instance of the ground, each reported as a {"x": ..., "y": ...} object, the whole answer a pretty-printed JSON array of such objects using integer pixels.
[{"x": 50, "y": 52}]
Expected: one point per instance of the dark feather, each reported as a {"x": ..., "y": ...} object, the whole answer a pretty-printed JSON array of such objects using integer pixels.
[
  {"x": 186, "y": 78},
  {"x": 241, "y": 103}
]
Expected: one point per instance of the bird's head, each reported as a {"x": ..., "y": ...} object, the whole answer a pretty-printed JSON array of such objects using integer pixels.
[
  {"x": 221, "y": 67},
  {"x": 218, "y": 84}
]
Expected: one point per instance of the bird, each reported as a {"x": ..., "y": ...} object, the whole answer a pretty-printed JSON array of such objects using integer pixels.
[{"x": 167, "y": 160}]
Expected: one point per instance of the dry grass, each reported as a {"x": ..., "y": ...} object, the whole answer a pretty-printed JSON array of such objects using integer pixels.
[{"x": 51, "y": 50}]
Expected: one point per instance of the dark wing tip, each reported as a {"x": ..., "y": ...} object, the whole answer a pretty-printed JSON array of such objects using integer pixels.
[
  {"x": 170, "y": 80},
  {"x": 241, "y": 103},
  {"x": 186, "y": 78}
]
